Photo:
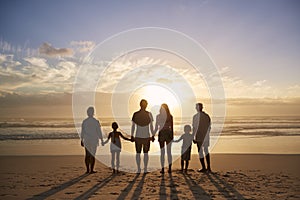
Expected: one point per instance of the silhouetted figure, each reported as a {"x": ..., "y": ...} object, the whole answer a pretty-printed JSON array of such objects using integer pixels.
[
  {"x": 90, "y": 135},
  {"x": 142, "y": 120},
  {"x": 115, "y": 146},
  {"x": 186, "y": 147},
  {"x": 164, "y": 123},
  {"x": 201, "y": 130}
]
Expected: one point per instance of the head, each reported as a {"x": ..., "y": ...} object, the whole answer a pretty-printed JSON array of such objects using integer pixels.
[
  {"x": 90, "y": 111},
  {"x": 114, "y": 126},
  {"x": 187, "y": 129},
  {"x": 164, "y": 109},
  {"x": 199, "y": 107},
  {"x": 143, "y": 104}
]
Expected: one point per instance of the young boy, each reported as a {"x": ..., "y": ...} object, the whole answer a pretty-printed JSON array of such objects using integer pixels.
[
  {"x": 115, "y": 146},
  {"x": 186, "y": 147}
]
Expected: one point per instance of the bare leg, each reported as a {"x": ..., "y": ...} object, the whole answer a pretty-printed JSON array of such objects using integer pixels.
[
  {"x": 118, "y": 161},
  {"x": 146, "y": 159},
  {"x": 113, "y": 154},
  {"x": 186, "y": 165},
  {"x": 202, "y": 160},
  {"x": 182, "y": 164},
  {"x": 92, "y": 164},
  {"x": 207, "y": 157},
  {"x": 162, "y": 156},
  {"x": 169, "y": 146},
  {"x": 138, "y": 161},
  {"x": 87, "y": 160}
]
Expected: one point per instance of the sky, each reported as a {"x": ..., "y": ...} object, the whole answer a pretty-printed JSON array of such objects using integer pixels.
[{"x": 254, "y": 44}]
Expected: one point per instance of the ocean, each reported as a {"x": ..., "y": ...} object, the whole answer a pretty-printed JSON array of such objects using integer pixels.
[{"x": 43, "y": 129}]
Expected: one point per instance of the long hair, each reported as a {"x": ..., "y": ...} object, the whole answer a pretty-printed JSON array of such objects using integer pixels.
[{"x": 165, "y": 111}]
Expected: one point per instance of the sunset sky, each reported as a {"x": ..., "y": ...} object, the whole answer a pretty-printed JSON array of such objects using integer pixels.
[{"x": 254, "y": 44}]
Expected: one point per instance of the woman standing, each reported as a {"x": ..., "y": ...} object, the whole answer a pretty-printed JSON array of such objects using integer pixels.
[{"x": 164, "y": 123}]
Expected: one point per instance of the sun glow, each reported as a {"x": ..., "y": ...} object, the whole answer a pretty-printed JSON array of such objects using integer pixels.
[{"x": 157, "y": 95}]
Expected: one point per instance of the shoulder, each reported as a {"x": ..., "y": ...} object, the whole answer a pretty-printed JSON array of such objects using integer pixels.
[{"x": 205, "y": 114}]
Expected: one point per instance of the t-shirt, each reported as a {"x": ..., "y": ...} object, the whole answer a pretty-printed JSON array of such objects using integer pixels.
[
  {"x": 187, "y": 140},
  {"x": 142, "y": 119},
  {"x": 201, "y": 126},
  {"x": 91, "y": 131}
]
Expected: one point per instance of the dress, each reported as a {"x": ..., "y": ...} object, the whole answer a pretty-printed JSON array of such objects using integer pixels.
[
  {"x": 90, "y": 134},
  {"x": 115, "y": 145}
]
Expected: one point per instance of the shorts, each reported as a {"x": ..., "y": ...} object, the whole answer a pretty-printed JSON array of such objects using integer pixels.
[
  {"x": 187, "y": 154},
  {"x": 165, "y": 136},
  {"x": 142, "y": 143},
  {"x": 201, "y": 145}
]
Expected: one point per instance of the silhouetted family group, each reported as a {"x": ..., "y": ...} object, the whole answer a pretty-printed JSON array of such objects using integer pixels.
[{"x": 143, "y": 132}]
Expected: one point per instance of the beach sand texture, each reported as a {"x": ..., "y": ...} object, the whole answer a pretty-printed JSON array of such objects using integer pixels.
[{"x": 235, "y": 176}]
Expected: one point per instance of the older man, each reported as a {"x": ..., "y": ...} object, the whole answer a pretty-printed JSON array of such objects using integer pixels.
[
  {"x": 201, "y": 130},
  {"x": 90, "y": 135}
]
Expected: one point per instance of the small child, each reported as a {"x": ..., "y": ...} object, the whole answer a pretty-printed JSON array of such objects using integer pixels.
[
  {"x": 115, "y": 146},
  {"x": 186, "y": 147}
]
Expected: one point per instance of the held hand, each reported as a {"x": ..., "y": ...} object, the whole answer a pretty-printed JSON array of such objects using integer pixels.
[
  {"x": 132, "y": 139},
  {"x": 194, "y": 141},
  {"x": 102, "y": 143},
  {"x": 152, "y": 138},
  {"x": 81, "y": 143}
]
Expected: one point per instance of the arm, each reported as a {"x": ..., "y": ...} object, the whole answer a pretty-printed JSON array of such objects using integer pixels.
[
  {"x": 178, "y": 139},
  {"x": 151, "y": 127},
  {"x": 125, "y": 138},
  {"x": 99, "y": 131},
  {"x": 156, "y": 126},
  {"x": 108, "y": 138},
  {"x": 82, "y": 135},
  {"x": 194, "y": 126},
  {"x": 132, "y": 131},
  {"x": 172, "y": 127}
]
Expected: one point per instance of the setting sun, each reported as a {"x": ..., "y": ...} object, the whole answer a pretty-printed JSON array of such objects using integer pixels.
[{"x": 158, "y": 94}]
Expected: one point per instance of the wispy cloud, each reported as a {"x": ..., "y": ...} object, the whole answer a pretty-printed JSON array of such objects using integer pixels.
[{"x": 83, "y": 46}]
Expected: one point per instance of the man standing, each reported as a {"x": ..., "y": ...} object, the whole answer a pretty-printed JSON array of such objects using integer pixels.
[
  {"x": 90, "y": 135},
  {"x": 201, "y": 130},
  {"x": 142, "y": 120}
]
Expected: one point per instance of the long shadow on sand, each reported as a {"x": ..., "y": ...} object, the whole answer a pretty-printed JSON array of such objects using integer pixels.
[
  {"x": 56, "y": 189},
  {"x": 126, "y": 190},
  {"x": 224, "y": 188},
  {"x": 95, "y": 188},
  {"x": 197, "y": 190},
  {"x": 162, "y": 189},
  {"x": 138, "y": 190}
]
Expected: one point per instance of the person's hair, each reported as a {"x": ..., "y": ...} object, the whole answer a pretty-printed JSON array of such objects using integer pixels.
[
  {"x": 90, "y": 111},
  {"x": 200, "y": 106},
  {"x": 187, "y": 128},
  {"x": 115, "y": 125},
  {"x": 167, "y": 111},
  {"x": 143, "y": 103}
]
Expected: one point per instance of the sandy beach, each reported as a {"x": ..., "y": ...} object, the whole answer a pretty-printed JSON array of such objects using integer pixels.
[{"x": 235, "y": 176}]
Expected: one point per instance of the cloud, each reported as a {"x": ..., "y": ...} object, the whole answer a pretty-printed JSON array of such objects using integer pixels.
[
  {"x": 6, "y": 47},
  {"x": 48, "y": 50},
  {"x": 39, "y": 62},
  {"x": 35, "y": 75},
  {"x": 83, "y": 46}
]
